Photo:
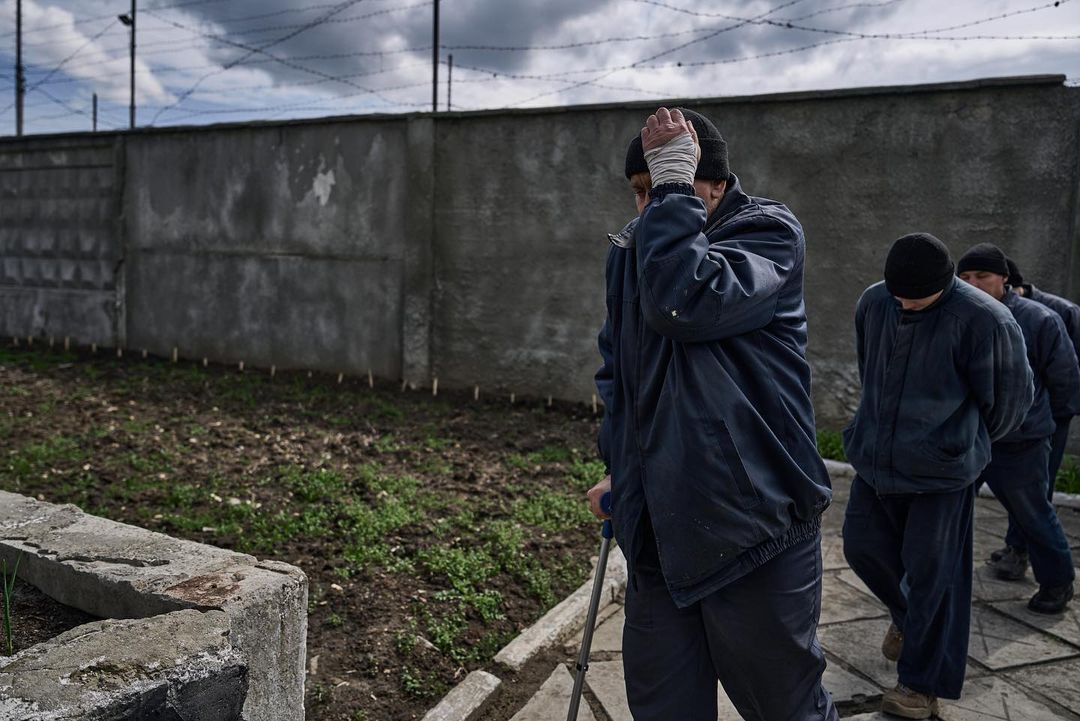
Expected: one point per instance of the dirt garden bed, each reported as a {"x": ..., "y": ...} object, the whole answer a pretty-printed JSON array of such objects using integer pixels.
[
  {"x": 432, "y": 530},
  {"x": 36, "y": 618}
]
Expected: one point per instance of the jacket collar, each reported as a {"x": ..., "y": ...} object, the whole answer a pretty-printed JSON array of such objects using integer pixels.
[
  {"x": 915, "y": 315},
  {"x": 733, "y": 201}
]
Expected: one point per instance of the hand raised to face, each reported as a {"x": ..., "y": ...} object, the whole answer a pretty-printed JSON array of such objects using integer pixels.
[{"x": 664, "y": 126}]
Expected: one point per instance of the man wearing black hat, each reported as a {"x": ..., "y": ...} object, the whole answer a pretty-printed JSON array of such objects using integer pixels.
[
  {"x": 944, "y": 374},
  {"x": 1018, "y": 470},
  {"x": 709, "y": 438}
]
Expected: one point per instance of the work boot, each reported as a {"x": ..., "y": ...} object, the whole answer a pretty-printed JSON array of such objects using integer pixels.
[
  {"x": 1012, "y": 566},
  {"x": 1051, "y": 599},
  {"x": 893, "y": 643},
  {"x": 1000, "y": 554},
  {"x": 907, "y": 703}
]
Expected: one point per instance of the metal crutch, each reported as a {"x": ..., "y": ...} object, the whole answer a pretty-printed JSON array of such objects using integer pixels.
[{"x": 594, "y": 607}]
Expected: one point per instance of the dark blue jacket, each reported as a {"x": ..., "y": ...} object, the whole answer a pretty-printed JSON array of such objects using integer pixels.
[
  {"x": 1069, "y": 312},
  {"x": 1052, "y": 360},
  {"x": 938, "y": 387},
  {"x": 706, "y": 388}
]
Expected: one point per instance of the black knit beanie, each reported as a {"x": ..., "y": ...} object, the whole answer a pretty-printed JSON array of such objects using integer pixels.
[
  {"x": 1015, "y": 279},
  {"x": 918, "y": 266},
  {"x": 984, "y": 256},
  {"x": 714, "y": 158}
]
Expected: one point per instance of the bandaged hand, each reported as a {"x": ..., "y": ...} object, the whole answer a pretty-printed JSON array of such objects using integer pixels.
[{"x": 671, "y": 147}]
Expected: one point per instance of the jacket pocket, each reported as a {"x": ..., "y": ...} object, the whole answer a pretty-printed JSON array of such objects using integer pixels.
[{"x": 748, "y": 494}]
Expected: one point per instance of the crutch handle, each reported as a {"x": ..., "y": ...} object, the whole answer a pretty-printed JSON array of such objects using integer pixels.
[{"x": 605, "y": 506}]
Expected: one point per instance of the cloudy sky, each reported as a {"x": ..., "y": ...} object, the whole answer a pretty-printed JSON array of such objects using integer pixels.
[{"x": 206, "y": 61}]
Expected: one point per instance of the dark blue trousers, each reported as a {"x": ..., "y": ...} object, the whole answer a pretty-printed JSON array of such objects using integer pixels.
[
  {"x": 926, "y": 537},
  {"x": 757, "y": 636},
  {"x": 1058, "y": 441},
  {"x": 1017, "y": 476}
]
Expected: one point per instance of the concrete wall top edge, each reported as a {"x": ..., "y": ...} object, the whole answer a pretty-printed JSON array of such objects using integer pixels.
[{"x": 952, "y": 86}]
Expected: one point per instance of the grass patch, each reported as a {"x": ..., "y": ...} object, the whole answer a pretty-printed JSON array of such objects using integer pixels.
[
  {"x": 552, "y": 512},
  {"x": 1068, "y": 476},
  {"x": 831, "y": 445}
]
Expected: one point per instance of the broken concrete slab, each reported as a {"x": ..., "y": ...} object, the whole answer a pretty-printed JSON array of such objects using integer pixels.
[
  {"x": 852, "y": 579},
  {"x": 999, "y": 642},
  {"x": 553, "y": 700},
  {"x": 114, "y": 570},
  {"x": 558, "y": 624},
  {"x": 175, "y": 665},
  {"x": 996, "y": 698},
  {"x": 466, "y": 699}
]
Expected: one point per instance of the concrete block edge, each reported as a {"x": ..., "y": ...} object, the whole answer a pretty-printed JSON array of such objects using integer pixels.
[{"x": 467, "y": 699}]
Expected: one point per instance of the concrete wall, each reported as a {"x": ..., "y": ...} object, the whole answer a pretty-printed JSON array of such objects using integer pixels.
[{"x": 470, "y": 247}]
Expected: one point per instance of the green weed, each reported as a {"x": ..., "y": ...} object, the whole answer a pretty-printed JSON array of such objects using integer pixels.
[{"x": 831, "y": 445}]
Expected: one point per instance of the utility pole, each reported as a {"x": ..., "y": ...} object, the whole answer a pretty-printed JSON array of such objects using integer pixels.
[
  {"x": 20, "y": 77},
  {"x": 449, "y": 80},
  {"x": 129, "y": 20},
  {"x": 95, "y": 112},
  {"x": 434, "y": 62}
]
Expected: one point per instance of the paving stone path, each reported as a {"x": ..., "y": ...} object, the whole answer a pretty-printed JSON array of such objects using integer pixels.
[{"x": 1021, "y": 666}]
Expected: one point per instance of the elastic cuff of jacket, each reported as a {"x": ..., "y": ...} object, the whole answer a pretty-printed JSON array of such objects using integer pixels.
[{"x": 659, "y": 191}]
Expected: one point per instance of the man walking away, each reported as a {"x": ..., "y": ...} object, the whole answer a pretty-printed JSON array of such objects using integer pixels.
[
  {"x": 1018, "y": 469},
  {"x": 943, "y": 374}
]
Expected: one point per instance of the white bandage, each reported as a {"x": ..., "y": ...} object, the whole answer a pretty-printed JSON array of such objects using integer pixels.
[{"x": 673, "y": 162}]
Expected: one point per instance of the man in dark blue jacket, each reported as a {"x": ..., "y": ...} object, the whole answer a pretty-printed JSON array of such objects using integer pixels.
[
  {"x": 1070, "y": 316},
  {"x": 1018, "y": 469},
  {"x": 944, "y": 374},
  {"x": 708, "y": 433}
]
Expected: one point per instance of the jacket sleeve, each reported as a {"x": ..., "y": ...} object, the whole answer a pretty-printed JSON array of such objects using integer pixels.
[
  {"x": 695, "y": 291},
  {"x": 1060, "y": 372},
  {"x": 1001, "y": 379},
  {"x": 605, "y": 382},
  {"x": 860, "y": 335}
]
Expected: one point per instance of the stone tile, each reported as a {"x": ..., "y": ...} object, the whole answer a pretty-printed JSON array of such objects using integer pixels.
[
  {"x": 988, "y": 508},
  {"x": 993, "y": 699},
  {"x": 842, "y": 602},
  {"x": 986, "y": 543},
  {"x": 850, "y": 578},
  {"x": 832, "y": 552},
  {"x": 845, "y": 686},
  {"x": 553, "y": 700},
  {"x": 858, "y": 645},
  {"x": 608, "y": 634},
  {"x": 605, "y": 679},
  {"x": 999, "y": 642},
  {"x": 1070, "y": 521},
  {"x": 1056, "y": 681},
  {"x": 1065, "y": 626},
  {"x": 994, "y": 525},
  {"x": 875, "y": 716},
  {"x": 832, "y": 521},
  {"x": 987, "y": 587}
]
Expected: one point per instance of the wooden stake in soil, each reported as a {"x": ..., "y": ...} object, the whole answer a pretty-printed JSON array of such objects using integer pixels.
[
  {"x": 15, "y": 340},
  {"x": 512, "y": 397},
  {"x": 340, "y": 377},
  {"x": 309, "y": 374},
  {"x": 549, "y": 401},
  {"x": 144, "y": 353},
  {"x": 67, "y": 343},
  {"x": 29, "y": 341},
  {"x": 435, "y": 387},
  {"x": 205, "y": 362},
  {"x": 175, "y": 354},
  {"x": 273, "y": 371},
  {"x": 52, "y": 342},
  {"x": 594, "y": 410},
  {"x": 370, "y": 379},
  {"x": 119, "y": 352},
  {"x": 93, "y": 347},
  {"x": 404, "y": 383},
  {"x": 241, "y": 366},
  {"x": 476, "y": 393}
]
